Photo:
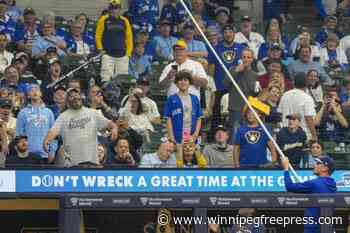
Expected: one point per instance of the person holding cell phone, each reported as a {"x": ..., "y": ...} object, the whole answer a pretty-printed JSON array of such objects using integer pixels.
[{"x": 183, "y": 62}]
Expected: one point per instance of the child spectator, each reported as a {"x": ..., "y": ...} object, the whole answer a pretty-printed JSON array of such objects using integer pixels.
[{"x": 251, "y": 141}]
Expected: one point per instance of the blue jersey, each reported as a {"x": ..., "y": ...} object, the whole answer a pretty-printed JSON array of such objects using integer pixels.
[
  {"x": 23, "y": 35},
  {"x": 145, "y": 11},
  {"x": 253, "y": 145},
  {"x": 230, "y": 57},
  {"x": 175, "y": 111},
  {"x": 164, "y": 46},
  {"x": 174, "y": 14},
  {"x": 322, "y": 36},
  {"x": 139, "y": 66},
  {"x": 317, "y": 185},
  {"x": 8, "y": 26},
  {"x": 264, "y": 49}
]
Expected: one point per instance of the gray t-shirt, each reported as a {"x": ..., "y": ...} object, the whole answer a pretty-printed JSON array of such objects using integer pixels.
[
  {"x": 187, "y": 107},
  {"x": 78, "y": 129}
]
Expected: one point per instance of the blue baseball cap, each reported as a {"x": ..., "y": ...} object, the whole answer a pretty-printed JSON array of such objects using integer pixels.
[{"x": 327, "y": 161}]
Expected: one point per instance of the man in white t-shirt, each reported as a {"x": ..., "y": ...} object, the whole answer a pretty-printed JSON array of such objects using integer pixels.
[
  {"x": 182, "y": 62},
  {"x": 298, "y": 101},
  {"x": 247, "y": 37},
  {"x": 78, "y": 128}
]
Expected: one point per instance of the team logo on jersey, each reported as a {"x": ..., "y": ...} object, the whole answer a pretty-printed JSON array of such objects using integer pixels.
[
  {"x": 229, "y": 56},
  {"x": 252, "y": 136}
]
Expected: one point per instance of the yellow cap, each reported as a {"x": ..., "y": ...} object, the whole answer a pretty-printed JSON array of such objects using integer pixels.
[
  {"x": 258, "y": 105},
  {"x": 180, "y": 44},
  {"x": 115, "y": 2}
]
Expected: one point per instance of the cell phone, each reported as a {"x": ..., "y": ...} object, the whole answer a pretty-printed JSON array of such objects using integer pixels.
[{"x": 174, "y": 67}]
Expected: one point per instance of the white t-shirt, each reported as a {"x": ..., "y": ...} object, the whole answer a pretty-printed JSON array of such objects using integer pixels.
[
  {"x": 344, "y": 43},
  {"x": 297, "y": 101},
  {"x": 193, "y": 66},
  {"x": 82, "y": 48},
  {"x": 78, "y": 129},
  {"x": 254, "y": 41},
  {"x": 140, "y": 123}
]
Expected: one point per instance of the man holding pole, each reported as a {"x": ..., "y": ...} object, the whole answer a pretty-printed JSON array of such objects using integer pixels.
[{"x": 322, "y": 184}]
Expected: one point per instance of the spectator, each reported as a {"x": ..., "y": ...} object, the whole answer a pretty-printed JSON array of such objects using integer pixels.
[
  {"x": 304, "y": 39},
  {"x": 316, "y": 151},
  {"x": 274, "y": 40},
  {"x": 314, "y": 87},
  {"x": 78, "y": 126},
  {"x": 96, "y": 101},
  {"x": 142, "y": 89},
  {"x": 139, "y": 63},
  {"x": 272, "y": 98},
  {"x": 143, "y": 38},
  {"x": 251, "y": 141},
  {"x": 135, "y": 139},
  {"x": 144, "y": 11},
  {"x": 13, "y": 11},
  {"x": 330, "y": 27},
  {"x": 192, "y": 157},
  {"x": 230, "y": 54},
  {"x": 247, "y": 37},
  {"x": 54, "y": 74},
  {"x": 195, "y": 48},
  {"x": 88, "y": 32},
  {"x": 28, "y": 32},
  {"x": 164, "y": 157},
  {"x": 164, "y": 42},
  {"x": 7, "y": 121},
  {"x": 114, "y": 37},
  {"x": 304, "y": 64},
  {"x": 248, "y": 227},
  {"x": 247, "y": 80},
  {"x": 213, "y": 38},
  {"x": 59, "y": 100},
  {"x": 332, "y": 56},
  {"x": 199, "y": 77},
  {"x": 326, "y": 8},
  {"x": 183, "y": 111},
  {"x": 34, "y": 121},
  {"x": 102, "y": 153},
  {"x": 274, "y": 69},
  {"x": 78, "y": 44},
  {"x": 174, "y": 13},
  {"x": 20, "y": 156},
  {"x": 7, "y": 24},
  {"x": 47, "y": 40},
  {"x": 292, "y": 140},
  {"x": 119, "y": 154},
  {"x": 134, "y": 110},
  {"x": 5, "y": 56},
  {"x": 199, "y": 10},
  {"x": 219, "y": 153},
  {"x": 222, "y": 18},
  {"x": 330, "y": 119},
  {"x": 11, "y": 77},
  {"x": 297, "y": 101},
  {"x": 274, "y": 55},
  {"x": 23, "y": 64}
]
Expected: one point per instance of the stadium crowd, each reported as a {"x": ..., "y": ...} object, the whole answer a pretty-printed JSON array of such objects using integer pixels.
[{"x": 104, "y": 115}]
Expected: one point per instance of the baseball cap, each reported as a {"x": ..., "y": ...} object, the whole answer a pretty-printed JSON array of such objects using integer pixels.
[
  {"x": 114, "y": 4},
  {"x": 53, "y": 61},
  {"x": 220, "y": 127},
  {"x": 222, "y": 9},
  {"x": 246, "y": 18},
  {"x": 229, "y": 27},
  {"x": 275, "y": 46},
  {"x": 59, "y": 87},
  {"x": 69, "y": 90},
  {"x": 5, "y": 103},
  {"x": 181, "y": 44},
  {"x": 188, "y": 26},
  {"x": 294, "y": 116},
  {"x": 28, "y": 11},
  {"x": 32, "y": 86},
  {"x": 142, "y": 81},
  {"x": 327, "y": 161},
  {"x": 51, "y": 50},
  {"x": 164, "y": 22}
]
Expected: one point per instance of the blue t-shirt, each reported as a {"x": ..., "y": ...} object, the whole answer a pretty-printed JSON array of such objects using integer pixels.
[
  {"x": 229, "y": 56},
  {"x": 253, "y": 145}
]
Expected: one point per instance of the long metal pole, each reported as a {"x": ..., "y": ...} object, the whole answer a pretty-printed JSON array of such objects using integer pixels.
[{"x": 237, "y": 87}]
